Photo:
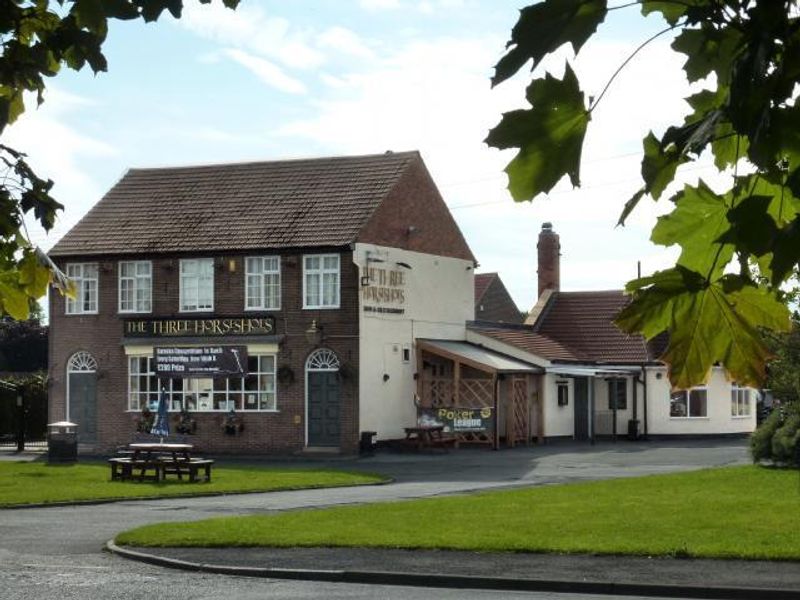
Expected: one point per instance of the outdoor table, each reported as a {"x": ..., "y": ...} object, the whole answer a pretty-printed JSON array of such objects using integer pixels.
[
  {"x": 426, "y": 436},
  {"x": 152, "y": 455}
]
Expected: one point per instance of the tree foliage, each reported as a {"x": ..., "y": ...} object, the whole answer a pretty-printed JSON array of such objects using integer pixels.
[
  {"x": 738, "y": 247},
  {"x": 39, "y": 38}
]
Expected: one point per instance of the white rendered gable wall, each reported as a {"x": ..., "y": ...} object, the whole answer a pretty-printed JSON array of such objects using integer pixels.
[{"x": 432, "y": 299}]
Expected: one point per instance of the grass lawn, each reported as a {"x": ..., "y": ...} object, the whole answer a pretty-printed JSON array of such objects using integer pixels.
[
  {"x": 34, "y": 483},
  {"x": 742, "y": 512}
]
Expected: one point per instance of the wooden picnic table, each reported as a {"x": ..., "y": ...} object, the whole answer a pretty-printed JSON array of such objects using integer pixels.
[
  {"x": 428, "y": 436},
  {"x": 157, "y": 460}
]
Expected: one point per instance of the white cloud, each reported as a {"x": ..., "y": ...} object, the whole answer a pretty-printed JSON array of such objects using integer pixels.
[
  {"x": 59, "y": 152},
  {"x": 379, "y": 4},
  {"x": 266, "y": 71},
  {"x": 250, "y": 28},
  {"x": 345, "y": 41},
  {"x": 435, "y": 96}
]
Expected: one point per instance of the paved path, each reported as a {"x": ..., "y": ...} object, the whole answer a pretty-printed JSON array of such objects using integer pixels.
[{"x": 75, "y": 533}]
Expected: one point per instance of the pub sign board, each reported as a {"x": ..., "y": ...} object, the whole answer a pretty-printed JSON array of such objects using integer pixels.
[
  {"x": 458, "y": 420},
  {"x": 209, "y": 326},
  {"x": 200, "y": 361}
]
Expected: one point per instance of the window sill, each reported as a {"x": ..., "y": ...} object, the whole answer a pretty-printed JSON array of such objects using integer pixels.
[
  {"x": 322, "y": 307},
  {"x": 690, "y": 418},
  {"x": 81, "y": 314},
  {"x": 221, "y": 411},
  {"x": 262, "y": 309},
  {"x": 741, "y": 417},
  {"x": 135, "y": 312}
]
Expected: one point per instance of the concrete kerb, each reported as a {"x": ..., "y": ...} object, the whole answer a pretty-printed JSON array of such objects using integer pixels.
[{"x": 461, "y": 581}]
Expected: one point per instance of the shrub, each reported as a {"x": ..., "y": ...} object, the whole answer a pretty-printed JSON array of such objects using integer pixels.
[
  {"x": 761, "y": 440},
  {"x": 786, "y": 439}
]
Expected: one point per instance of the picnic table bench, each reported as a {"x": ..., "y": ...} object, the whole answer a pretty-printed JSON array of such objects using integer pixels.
[
  {"x": 429, "y": 436},
  {"x": 155, "y": 461}
]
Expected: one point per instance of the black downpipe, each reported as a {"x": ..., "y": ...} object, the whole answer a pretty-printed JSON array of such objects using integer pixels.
[
  {"x": 644, "y": 399},
  {"x": 615, "y": 396}
]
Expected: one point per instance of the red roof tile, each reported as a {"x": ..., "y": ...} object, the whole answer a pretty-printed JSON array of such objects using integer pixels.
[
  {"x": 525, "y": 338},
  {"x": 584, "y": 323}
]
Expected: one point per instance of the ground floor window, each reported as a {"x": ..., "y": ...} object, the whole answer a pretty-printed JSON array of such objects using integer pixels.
[
  {"x": 253, "y": 392},
  {"x": 740, "y": 401},
  {"x": 618, "y": 394},
  {"x": 688, "y": 403}
]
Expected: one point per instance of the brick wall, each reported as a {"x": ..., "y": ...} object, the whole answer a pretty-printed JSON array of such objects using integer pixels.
[
  {"x": 415, "y": 217},
  {"x": 281, "y": 432}
]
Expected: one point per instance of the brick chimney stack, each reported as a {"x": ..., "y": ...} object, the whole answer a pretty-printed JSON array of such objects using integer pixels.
[{"x": 549, "y": 249}]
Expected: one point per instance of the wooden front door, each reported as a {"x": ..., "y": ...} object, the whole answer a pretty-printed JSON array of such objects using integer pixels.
[
  {"x": 83, "y": 405},
  {"x": 324, "y": 408}
]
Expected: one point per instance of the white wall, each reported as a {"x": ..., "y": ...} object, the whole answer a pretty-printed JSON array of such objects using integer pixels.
[
  {"x": 604, "y": 415},
  {"x": 718, "y": 419},
  {"x": 438, "y": 298},
  {"x": 558, "y": 420}
]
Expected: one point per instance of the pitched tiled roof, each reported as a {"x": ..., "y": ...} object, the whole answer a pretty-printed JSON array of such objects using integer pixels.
[
  {"x": 482, "y": 283},
  {"x": 525, "y": 338},
  {"x": 290, "y": 203},
  {"x": 584, "y": 323}
]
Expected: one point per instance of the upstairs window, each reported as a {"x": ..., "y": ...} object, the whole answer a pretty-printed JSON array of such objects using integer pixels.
[
  {"x": 263, "y": 283},
  {"x": 689, "y": 403},
  {"x": 84, "y": 275},
  {"x": 197, "y": 285},
  {"x": 740, "y": 401},
  {"x": 321, "y": 281},
  {"x": 135, "y": 286}
]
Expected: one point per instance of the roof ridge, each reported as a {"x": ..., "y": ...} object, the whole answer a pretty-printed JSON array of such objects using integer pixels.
[{"x": 306, "y": 159}]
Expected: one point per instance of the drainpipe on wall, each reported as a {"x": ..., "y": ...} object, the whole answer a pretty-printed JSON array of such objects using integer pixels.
[
  {"x": 615, "y": 397},
  {"x": 644, "y": 400},
  {"x": 591, "y": 410}
]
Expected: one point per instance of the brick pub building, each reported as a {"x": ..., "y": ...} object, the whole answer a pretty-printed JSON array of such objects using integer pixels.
[{"x": 317, "y": 274}]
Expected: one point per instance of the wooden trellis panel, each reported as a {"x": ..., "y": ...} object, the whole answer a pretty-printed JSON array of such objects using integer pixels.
[
  {"x": 519, "y": 430},
  {"x": 475, "y": 392},
  {"x": 437, "y": 393}
]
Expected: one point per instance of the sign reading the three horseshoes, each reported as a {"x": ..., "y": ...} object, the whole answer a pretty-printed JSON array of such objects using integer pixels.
[
  {"x": 217, "y": 326},
  {"x": 200, "y": 361}
]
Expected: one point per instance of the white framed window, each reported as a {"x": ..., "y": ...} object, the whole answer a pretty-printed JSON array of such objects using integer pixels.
[
  {"x": 142, "y": 383},
  {"x": 135, "y": 286},
  {"x": 197, "y": 284},
  {"x": 740, "y": 401},
  {"x": 263, "y": 283},
  {"x": 321, "y": 281},
  {"x": 84, "y": 275},
  {"x": 256, "y": 391},
  {"x": 688, "y": 404}
]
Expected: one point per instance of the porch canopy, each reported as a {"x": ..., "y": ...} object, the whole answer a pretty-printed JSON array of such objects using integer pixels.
[
  {"x": 463, "y": 376},
  {"x": 477, "y": 357}
]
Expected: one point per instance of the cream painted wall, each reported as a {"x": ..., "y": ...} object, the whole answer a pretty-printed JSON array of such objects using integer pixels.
[
  {"x": 558, "y": 420},
  {"x": 718, "y": 419},
  {"x": 438, "y": 300}
]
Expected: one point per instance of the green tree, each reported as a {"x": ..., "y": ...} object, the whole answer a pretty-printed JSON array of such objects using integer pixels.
[
  {"x": 738, "y": 247},
  {"x": 38, "y": 38}
]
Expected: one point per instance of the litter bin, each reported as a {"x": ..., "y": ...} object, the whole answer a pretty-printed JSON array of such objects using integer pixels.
[
  {"x": 633, "y": 429},
  {"x": 367, "y": 445},
  {"x": 62, "y": 442}
]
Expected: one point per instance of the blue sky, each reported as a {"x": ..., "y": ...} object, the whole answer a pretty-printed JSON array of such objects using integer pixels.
[{"x": 310, "y": 78}]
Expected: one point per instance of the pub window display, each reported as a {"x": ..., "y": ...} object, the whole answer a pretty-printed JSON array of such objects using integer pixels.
[{"x": 254, "y": 392}]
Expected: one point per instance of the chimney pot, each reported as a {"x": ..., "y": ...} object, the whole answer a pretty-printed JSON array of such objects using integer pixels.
[{"x": 549, "y": 258}]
